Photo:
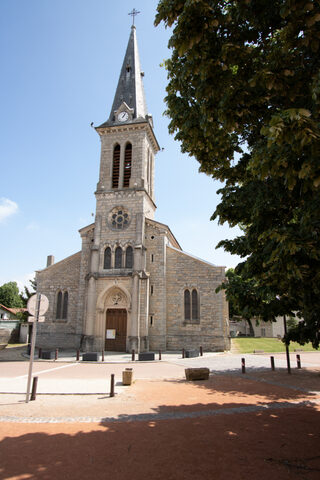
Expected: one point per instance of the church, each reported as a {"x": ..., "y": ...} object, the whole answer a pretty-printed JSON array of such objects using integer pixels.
[{"x": 131, "y": 286}]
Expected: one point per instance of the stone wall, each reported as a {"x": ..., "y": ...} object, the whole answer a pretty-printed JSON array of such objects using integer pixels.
[
  {"x": 211, "y": 329},
  {"x": 63, "y": 276}
]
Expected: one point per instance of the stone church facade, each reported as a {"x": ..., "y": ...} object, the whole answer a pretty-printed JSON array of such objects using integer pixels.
[{"x": 131, "y": 286}]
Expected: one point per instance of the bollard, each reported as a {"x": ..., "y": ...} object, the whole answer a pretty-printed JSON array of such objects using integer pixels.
[
  {"x": 34, "y": 388},
  {"x": 133, "y": 355},
  {"x": 183, "y": 353},
  {"x": 272, "y": 362},
  {"x": 102, "y": 356},
  {"x": 243, "y": 365},
  {"x": 78, "y": 355},
  {"x": 39, "y": 352},
  {"x": 298, "y": 361},
  {"x": 159, "y": 354},
  {"x": 201, "y": 351},
  {"x": 112, "y": 385},
  {"x": 56, "y": 354}
]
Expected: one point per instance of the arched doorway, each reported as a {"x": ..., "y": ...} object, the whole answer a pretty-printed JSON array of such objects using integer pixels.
[{"x": 116, "y": 329}]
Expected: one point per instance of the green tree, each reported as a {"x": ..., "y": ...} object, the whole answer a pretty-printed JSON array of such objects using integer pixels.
[
  {"x": 10, "y": 296},
  {"x": 28, "y": 292},
  {"x": 243, "y": 97},
  {"x": 248, "y": 299}
]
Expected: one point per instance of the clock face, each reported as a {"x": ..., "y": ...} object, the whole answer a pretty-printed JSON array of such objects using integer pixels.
[{"x": 123, "y": 116}]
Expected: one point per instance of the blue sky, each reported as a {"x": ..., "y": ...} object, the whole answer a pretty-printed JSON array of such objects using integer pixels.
[{"x": 60, "y": 65}]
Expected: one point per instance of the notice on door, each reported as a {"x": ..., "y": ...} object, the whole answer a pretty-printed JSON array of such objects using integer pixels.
[{"x": 110, "y": 334}]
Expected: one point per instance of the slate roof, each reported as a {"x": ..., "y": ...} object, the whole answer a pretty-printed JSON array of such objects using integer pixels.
[{"x": 130, "y": 85}]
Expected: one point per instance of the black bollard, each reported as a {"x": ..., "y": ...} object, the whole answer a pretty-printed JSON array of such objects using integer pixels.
[
  {"x": 183, "y": 353},
  {"x": 159, "y": 354},
  {"x": 201, "y": 351},
  {"x": 243, "y": 365},
  {"x": 56, "y": 354},
  {"x": 133, "y": 355},
  {"x": 102, "y": 356},
  {"x": 78, "y": 355},
  {"x": 34, "y": 388},
  {"x": 112, "y": 385},
  {"x": 40, "y": 353},
  {"x": 298, "y": 361},
  {"x": 272, "y": 362}
]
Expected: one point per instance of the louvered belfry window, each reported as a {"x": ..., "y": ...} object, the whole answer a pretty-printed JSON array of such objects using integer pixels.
[
  {"x": 127, "y": 165},
  {"x": 116, "y": 167}
]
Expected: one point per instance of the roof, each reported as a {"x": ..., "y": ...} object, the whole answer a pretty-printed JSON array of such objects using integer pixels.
[
  {"x": 172, "y": 238},
  {"x": 130, "y": 89},
  {"x": 14, "y": 310}
]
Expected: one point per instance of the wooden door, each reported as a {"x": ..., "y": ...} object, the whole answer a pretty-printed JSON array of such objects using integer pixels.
[{"x": 116, "y": 330}]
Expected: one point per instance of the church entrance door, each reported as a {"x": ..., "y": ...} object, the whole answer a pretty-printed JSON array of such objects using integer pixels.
[{"x": 116, "y": 330}]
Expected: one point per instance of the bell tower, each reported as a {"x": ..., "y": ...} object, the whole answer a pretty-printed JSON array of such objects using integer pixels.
[{"x": 124, "y": 199}]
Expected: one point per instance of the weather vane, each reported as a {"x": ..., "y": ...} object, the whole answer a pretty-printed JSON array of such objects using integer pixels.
[{"x": 133, "y": 14}]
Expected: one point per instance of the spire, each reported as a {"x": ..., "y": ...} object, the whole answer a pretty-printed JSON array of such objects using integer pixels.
[{"x": 130, "y": 91}]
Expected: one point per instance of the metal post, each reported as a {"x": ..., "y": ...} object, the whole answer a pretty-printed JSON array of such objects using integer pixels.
[
  {"x": 159, "y": 354},
  {"x": 112, "y": 385},
  {"x": 34, "y": 388},
  {"x": 298, "y": 361},
  {"x": 102, "y": 356},
  {"x": 40, "y": 353},
  {"x": 287, "y": 345},
  {"x": 56, "y": 354},
  {"x": 33, "y": 344},
  {"x": 243, "y": 365},
  {"x": 272, "y": 362},
  {"x": 201, "y": 351},
  {"x": 133, "y": 355},
  {"x": 183, "y": 353},
  {"x": 78, "y": 355}
]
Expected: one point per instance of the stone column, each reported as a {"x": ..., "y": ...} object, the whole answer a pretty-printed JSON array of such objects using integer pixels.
[
  {"x": 134, "y": 339},
  {"x": 89, "y": 342}
]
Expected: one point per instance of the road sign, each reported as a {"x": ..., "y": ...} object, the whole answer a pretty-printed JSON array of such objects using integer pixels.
[
  {"x": 40, "y": 319},
  {"x": 32, "y": 304}
]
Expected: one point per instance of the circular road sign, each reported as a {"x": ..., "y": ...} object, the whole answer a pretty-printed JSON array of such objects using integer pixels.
[{"x": 32, "y": 304}]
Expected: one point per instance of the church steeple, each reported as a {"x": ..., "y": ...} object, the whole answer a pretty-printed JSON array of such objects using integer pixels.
[{"x": 129, "y": 104}]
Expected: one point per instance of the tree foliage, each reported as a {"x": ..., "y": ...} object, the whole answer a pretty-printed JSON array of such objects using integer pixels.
[
  {"x": 29, "y": 291},
  {"x": 10, "y": 296},
  {"x": 243, "y": 97}
]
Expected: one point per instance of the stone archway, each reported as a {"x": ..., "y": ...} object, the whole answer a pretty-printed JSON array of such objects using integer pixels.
[{"x": 114, "y": 312}]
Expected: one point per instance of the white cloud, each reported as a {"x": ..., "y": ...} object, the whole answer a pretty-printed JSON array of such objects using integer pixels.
[{"x": 7, "y": 208}]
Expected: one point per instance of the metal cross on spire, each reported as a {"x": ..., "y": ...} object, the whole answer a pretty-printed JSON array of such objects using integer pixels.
[{"x": 133, "y": 14}]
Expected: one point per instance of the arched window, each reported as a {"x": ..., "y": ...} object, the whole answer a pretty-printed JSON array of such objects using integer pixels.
[
  {"x": 129, "y": 257},
  {"x": 127, "y": 165},
  {"x": 62, "y": 306},
  {"x": 118, "y": 258},
  {"x": 59, "y": 305},
  {"x": 107, "y": 258},
  {"x": 194, "y": 303},
  {"x": 187, "y": 305},
  {"x": 65, "y": 306},
  {"x": 191, "y": 306},
  {"x": 116, "y": 166}
]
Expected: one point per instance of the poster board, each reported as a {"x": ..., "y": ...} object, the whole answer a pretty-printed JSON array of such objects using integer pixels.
[{"x": 111, "y": 334}]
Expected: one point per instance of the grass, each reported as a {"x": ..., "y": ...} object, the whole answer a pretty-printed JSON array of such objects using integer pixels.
[{"x": 248, "y": 345}]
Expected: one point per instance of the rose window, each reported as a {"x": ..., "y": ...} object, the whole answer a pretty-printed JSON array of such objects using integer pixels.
[{"x": 118, "y": 218}]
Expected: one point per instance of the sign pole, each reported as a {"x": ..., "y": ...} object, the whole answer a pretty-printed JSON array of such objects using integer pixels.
[{"x": 33, "y": 344}]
